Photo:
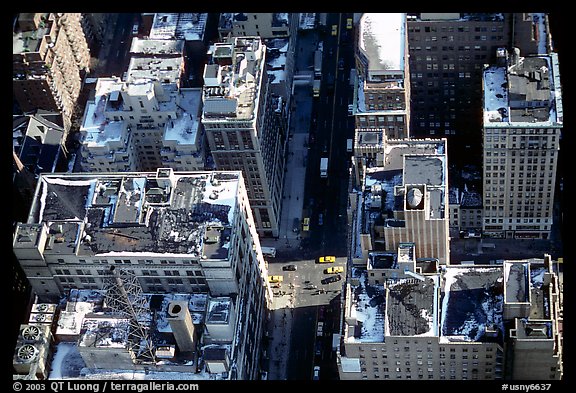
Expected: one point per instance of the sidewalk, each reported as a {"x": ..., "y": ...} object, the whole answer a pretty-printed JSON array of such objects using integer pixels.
[
  {"x": 295, "y": 176},
  {"x": 280, "y": 331}
]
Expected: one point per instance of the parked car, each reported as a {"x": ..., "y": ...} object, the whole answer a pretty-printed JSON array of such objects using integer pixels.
[
  {"x": 331, "y": 279},
  {"x": 327, "y": 259},
  {"x": 290, "y": 268},
  {"x": 275, "y": 279},
  {"x": 334, "y": 270}
]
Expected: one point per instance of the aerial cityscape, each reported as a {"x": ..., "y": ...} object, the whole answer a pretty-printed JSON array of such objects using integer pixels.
[{"x": 287, "y": 196}]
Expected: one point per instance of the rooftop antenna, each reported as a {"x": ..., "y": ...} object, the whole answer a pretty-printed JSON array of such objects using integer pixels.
[{"x": 124, "y": 297}]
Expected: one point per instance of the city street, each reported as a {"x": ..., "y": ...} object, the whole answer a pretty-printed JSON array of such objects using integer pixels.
[{"x": 319, "y": 128}]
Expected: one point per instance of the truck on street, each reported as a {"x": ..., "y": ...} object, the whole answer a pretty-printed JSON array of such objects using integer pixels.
[{"x": 324, "y": 167}]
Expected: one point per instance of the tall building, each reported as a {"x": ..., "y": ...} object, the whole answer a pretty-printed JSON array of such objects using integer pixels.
[
  {"x": 278, "y": 32},
  {"x": 405, "y": 200},
  {"x": 405, "y": 319},
  {"x": 244, "y": 125},
  {"x": 447, "y": 56},
  {"x": 173, "y": 232},
  {"x": 262, "y": 24},
  {"x": 522, "y": 126},
  {"x": 143, "y": 124},
  {"x": 49, "y": 55},
  {"x": 381, "y": 101}
]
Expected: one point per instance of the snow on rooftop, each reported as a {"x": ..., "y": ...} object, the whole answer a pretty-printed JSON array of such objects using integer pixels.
[
  {"x": 495, "y": 95},
  {"x": 66, "y": 361},
  {"x": 540, "y": 20},
  {"x": 184, "y": 129},
  {"x": 382, "y": 37},
  {"x": 224, "y": 193},
  {"x": 472, "y": 302},
  {"x": 307, "y": 20},
  {"x": 196, "y": 305},
  {"x": 537, "y": 276},
  {"x": 369, "y": 313},
  {"x": 97, "y": 130}
]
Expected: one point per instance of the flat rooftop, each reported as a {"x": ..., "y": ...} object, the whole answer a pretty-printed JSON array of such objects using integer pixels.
[
  {"x": 458, "y": 304},
  {"x": 472, "y": 304},
  {"x": 96, "y": 129},
  {"x": 165, "y": 70},
  {"x": 382, "y": 38},
  {"x": 184, "y": 129},
  {"x": 160, "y": 48},
  {"x": 180, "y": 26},
  {"x": 409, "y": 162},
  {"x": 526, "y": 92},
  {"x": 412, "y": 308},
  {"x": 138, "y": 213},
  {"x": 231, "y": 88}
]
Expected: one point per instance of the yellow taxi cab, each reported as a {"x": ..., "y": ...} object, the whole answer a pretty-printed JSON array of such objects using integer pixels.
[
  {"x": 334, "y": 270},
  {"x": 327, "y": 259},
  {"x": 349, "y": 23},
  {"x": 275, "y": 279},
  {"x": 334, "y": 29}
]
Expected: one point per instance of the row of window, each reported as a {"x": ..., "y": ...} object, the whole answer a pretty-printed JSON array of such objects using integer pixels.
[
  {"x": 483, "y": 48},
  {"x": 450, "y": 29}
]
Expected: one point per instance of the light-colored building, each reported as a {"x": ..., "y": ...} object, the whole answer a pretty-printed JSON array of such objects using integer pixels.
[
  {"x": 245, "y": 125},
  {"x": 49, "y": 55},
  {"x": 406, "y": 320},
  {"x": 278, "y": 32},
  {"x": 179, "y": 26},
  {"x": 522, "y": 126},
  {"x": 381, "y": 90},
  {"x": 405, "y": 200},
  {"x": 175, "y": 232},
  {"x": 143, "y": 124}
]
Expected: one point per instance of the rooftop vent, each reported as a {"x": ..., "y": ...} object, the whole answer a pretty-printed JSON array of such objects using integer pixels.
[{"x": 414, "y": 198}]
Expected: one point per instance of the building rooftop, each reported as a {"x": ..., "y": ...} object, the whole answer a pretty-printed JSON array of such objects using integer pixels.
[
  {"x": 455, "y": 304},
  {"x": 472, "y": 304},
  {"x": 276, "y": 59},
  {"x": 180, "y": 26},
  {"x": 84, "y": 322},
  {"x": 29, "y": 41},
  {"x": 382, "y": 38},
  {"x": 408, "y": 162},
  {"x": 158, "y": 48},
  {"x": 97, "y": 130},
  {"x": 165, "y": 70},
  {"x": 36, "y": 139},
  {"x": 184, "y": 129},
  {"x": 231, "y": 83},
  {"x": 412, "y": 307},
  {"x": 218, "y": 311},
  {"x": 366, "y": 306},
  {"x": 523, "y": 93},
  {"x": 525, "y": 284},
  {"x": 139, "y": 213},
  {"x": 465, "y": 197}
]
